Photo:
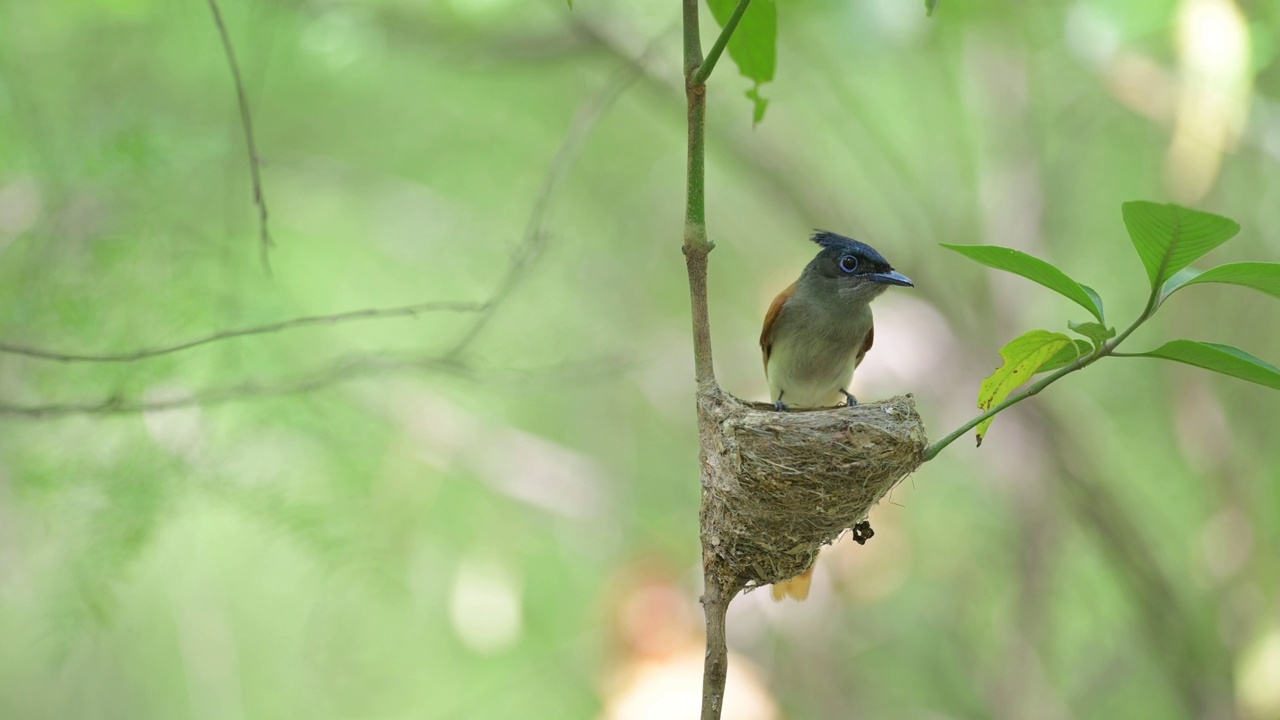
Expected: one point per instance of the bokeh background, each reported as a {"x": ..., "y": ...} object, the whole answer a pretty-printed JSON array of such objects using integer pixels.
[{"x": 484, "y": 515}]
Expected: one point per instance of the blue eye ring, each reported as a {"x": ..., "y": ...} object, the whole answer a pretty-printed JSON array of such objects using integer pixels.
[{"x": 849, "y": 264}]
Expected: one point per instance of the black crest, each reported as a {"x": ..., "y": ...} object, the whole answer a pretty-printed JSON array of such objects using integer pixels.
[{"x": 849, "y": 246}]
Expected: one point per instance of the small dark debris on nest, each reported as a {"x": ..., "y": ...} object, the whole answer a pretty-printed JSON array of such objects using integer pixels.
[{"x": 780, "y": 485}]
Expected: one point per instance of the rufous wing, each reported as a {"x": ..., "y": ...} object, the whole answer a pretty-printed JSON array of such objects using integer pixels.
[
  {"x": 766, "y": 333},
  {"x": 866, "y": 344}
]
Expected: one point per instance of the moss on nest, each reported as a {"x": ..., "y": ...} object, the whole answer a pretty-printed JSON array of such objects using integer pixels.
[{"x": 779, "y": 486}]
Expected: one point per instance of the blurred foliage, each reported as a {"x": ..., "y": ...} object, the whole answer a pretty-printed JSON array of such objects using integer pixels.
[{"x": 511, "y": 534}]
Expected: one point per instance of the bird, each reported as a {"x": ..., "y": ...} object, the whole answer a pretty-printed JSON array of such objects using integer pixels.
[{"x": 816, "y": 333}]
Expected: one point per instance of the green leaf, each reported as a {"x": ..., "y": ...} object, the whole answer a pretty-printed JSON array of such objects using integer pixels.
[
  {"x": 1218, "y": 358},
  {"x": 754, "y": 45},
  {"x": 1033, "y": 269},
  {"x": 1023, "y": 357},
  {"x": 1257, "y": 275},
  {"x": 1096, "y": 298},
  {"x": 1067, "y": 355},
  {"x": 1170, "y": 237},
  {"x": 1096, "y": 332},
  {"x": 929, "y": 5}
]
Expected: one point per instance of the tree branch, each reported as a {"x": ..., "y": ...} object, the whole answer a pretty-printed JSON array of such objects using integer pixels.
[
  {"x": 336, "y": 319},
  {"x": 717, "y": 593},
  {"x": 1108, "y": 348},
  {"x": 715, "y": 605},
  {"x": 259, "y": 200},
  {"x": 340, "y": 371},
  {"x": 713, "y": 55}
]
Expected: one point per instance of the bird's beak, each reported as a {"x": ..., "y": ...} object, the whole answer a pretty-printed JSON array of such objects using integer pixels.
[{"x": 893, "y": 277}]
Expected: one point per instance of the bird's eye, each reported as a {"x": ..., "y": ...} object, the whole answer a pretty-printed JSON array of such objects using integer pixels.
[{"x": 849, "y": 263}]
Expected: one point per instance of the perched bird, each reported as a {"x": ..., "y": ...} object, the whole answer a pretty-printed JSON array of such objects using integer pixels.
[{"x": 818, "y": 330}]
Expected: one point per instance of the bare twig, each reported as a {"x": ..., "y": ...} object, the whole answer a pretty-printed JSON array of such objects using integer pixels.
[
  {"x": 713, "y": 55},
  {"x": 340, "y": 371},
  {"x": 535, "y": 232},
  {"x": 343, "y": 370},
  {"x": 251, "y": 147},
  {"x": 339, "y": 318}
]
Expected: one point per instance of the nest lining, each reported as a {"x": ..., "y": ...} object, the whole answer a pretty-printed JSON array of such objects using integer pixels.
[{"x": 780, "y": 485}]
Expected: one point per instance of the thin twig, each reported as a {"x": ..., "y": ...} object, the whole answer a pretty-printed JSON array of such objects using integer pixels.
[
  {"x": 259, "y": 199},
  {"x": 713, "y": 55},
  {"x": 1108, "y": 348},
  {"x": 343, "y": 370},
  {"x": 345, "y": 317},
  {"x": 340, "y": 371},
  {"x": 535, "y": 232}
]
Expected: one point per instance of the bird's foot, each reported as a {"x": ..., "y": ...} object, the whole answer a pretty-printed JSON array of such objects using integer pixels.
[
  {"x": 849, "y": 398},
  {"x": 780, "y": 406}
]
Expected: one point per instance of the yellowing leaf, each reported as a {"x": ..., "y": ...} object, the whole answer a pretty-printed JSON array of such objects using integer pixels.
[{"x": 1023, "y": 356}]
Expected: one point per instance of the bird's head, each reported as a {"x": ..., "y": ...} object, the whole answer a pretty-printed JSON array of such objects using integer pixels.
[{"x": 855, "y": 270}]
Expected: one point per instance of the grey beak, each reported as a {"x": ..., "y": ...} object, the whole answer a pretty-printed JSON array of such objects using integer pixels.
[{"x": 893, "y": 277}]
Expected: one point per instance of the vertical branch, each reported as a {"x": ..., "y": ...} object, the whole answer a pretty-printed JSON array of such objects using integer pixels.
[
  {"x": 715, "y": 605},
  {"x": 259, "y": 200},
  {"x": 716, "y": 593},
  {"x": 696, "y": 245}
]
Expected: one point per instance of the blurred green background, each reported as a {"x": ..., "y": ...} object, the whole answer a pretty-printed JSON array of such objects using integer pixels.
[{"x": 513, "y": 533}]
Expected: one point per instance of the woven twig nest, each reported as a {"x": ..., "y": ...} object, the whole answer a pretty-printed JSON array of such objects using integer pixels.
[{"x": 777, "y": 486}]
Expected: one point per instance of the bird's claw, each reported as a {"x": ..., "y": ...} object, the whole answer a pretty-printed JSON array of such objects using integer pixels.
[{"x": 849, "y": 398}]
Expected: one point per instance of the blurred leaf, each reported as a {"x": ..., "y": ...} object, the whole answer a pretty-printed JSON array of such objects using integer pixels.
[
  {"x": 1257, "y": 275},
  {"x": 754, "y": 45},
  {"x": 1170, "y": 237},
  {"x": 1096, "y": 332},
  {"x": 1023, "y": 357},
  {"x": 757, "y": 112},
  {"x": 1218, "y": 358},
  {"x": 1066, "y": 356},
  {"x": 1034, "y": 269},
  {"x": 929, "y": 6}
]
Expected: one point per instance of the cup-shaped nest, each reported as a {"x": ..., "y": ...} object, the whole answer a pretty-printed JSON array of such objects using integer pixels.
[{"x": 778, "y": 486}]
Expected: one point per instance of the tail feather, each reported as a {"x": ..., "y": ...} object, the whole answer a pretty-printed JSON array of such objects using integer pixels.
[{"x": 797, "y": 587}]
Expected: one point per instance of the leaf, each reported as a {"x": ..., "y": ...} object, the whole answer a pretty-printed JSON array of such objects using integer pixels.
[
  {"x": 1260, "y": 276},
  {"x": 1023, "y": 357},
  {"x": 1033, "y": 269},
  {"x": 1095, "y": 297},
  {"x": 929, "y": 6},
  {"x": 754, "y": 45},
  {"x": 1170, "y": 237},
  {"x": 1096, "y": 332},
  {"x": 1066, "y": 356},
  {"x": 1218, "y": 358}
]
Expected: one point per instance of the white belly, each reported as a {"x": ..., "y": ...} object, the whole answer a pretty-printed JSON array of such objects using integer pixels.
[{"x": 802, "y": 382}]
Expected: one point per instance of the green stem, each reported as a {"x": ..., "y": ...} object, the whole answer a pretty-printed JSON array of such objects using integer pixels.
[
  {"x": 717, "y": 49},
  {"x": 1108, "y": 348}
]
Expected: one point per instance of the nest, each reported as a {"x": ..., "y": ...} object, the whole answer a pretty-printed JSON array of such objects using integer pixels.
[{"x": 779, "y": 486}]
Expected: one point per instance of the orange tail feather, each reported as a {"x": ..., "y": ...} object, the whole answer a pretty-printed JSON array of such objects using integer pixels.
[{"x": 797, "y": 587}]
